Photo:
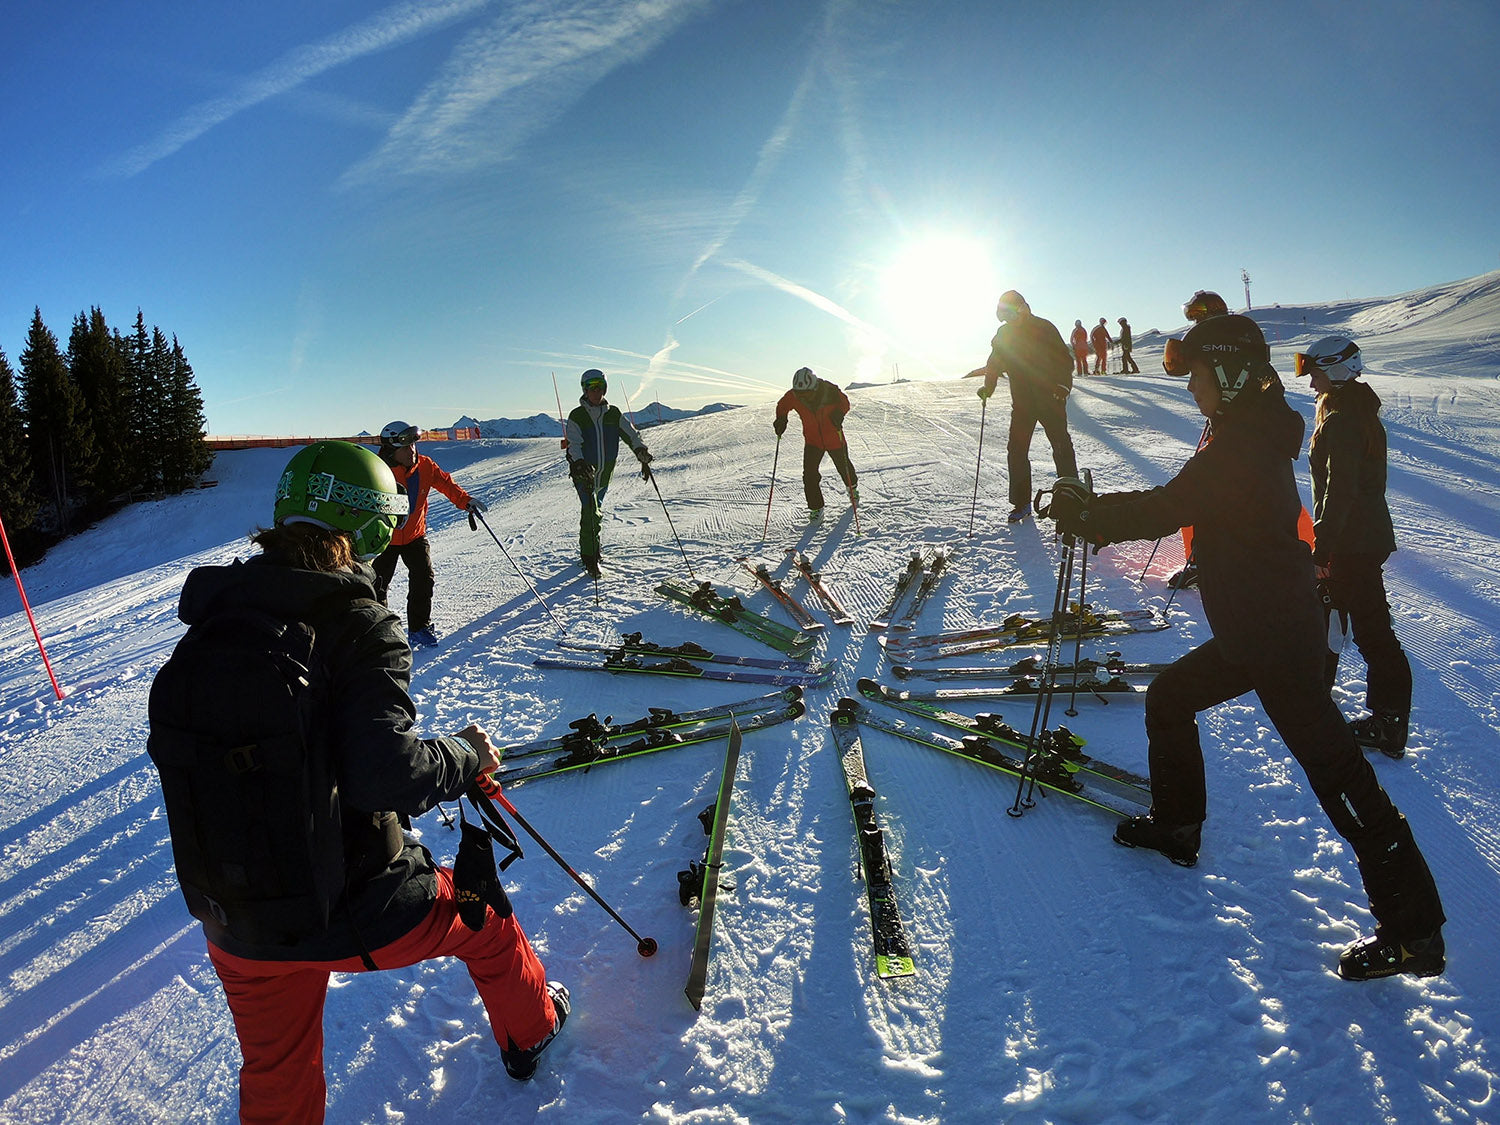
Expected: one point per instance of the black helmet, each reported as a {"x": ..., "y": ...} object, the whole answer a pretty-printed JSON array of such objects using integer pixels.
[
  {"x": 1235, "y": 346},
  {"x": 1204, "y": 304}
]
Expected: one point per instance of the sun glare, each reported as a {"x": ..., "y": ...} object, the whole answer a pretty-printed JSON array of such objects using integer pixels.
[{"x": 938, "y": 295}]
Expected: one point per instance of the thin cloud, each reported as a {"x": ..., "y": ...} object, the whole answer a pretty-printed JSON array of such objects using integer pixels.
[
  {"x": 389, "y": 28},
  {"x": 512, "y": 78}
]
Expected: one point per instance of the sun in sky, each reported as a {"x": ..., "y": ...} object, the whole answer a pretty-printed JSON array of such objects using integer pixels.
[{"x": 936, "y": 296}]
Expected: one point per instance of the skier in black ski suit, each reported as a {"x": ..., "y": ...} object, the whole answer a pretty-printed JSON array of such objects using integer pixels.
[
  {"x": 1354, "y": 534},
  {"x": 1031, "y": 351},
  {"x": 1256, "y": 580}
]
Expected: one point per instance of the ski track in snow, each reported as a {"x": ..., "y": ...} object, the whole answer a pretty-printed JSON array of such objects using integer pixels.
[{"x": 1060, "y": 978}]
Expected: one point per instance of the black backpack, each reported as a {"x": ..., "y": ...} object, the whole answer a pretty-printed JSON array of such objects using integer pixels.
[{"x": 237, "y": 720}]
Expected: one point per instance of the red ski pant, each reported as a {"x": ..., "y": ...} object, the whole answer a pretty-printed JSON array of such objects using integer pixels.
[{"x": 278, "y": 1005}]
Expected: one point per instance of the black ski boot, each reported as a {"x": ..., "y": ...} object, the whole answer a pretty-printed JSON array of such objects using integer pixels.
[
  {"x": 591, "y": 564},
  {"x": 1384, "y": 731},
  {"x": 1381, "y": 956},
  {"x": 1179, "y": 843},
  {"x": 520, "y": 1064}
]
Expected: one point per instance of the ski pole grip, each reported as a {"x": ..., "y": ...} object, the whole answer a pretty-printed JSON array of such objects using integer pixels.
[{"x": 487, "y": 784}]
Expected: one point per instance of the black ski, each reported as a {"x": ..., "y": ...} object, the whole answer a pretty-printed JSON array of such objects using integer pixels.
[
  {"x": 687, "y": 650},
  {"x": 591, "y": 730},
  {"x": 585, "y": 757},
  {"x": 1021, "y": 630},
  {"x": 761, "y": 572},
  {"x": 1060, "y": 743},
  {"x": 715, "y": 822},
  {"x": 730, "y": 611},
  {"x": 937, "y": 570},
  {"x": 904, "y": 582},
  {"x": 815, "y": 581},
  {"x": 892, "y": 950},
  {"x": 639, "y": 665}
]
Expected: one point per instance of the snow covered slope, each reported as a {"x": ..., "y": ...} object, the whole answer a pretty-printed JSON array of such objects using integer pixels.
[{"x": 1059, "y": 977}]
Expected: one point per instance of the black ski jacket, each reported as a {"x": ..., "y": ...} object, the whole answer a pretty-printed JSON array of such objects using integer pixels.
[
  {"x": 1348, "y": 460},
  {"x": 1030, "y": 350},
  {"x": 1240, "y": 496},
  {"x": 383, "y": 768}
]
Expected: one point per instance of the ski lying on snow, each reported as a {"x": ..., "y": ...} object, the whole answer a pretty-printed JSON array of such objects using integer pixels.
[
  {"x": 1029, "y": 666},
  {"x": 687, "y": 650},
  {"x": 1059, "y": 743},
  {"x": 716, "y": 823},
  {"x": 592, "y": 731},
  {"x": 761, "y": 572},
  {"x": 1050, "y": 770},
  {"x": 815, "y": 581},
  {"x": 1021, "y": 630},
  {"x": 730, "y": 611},
  {"x": 904, "y": 582},
  {"x": 1062, "y": 685},
  {"x": 636, "y": 664},
  {"x": 937, "y": 570},
  {"x": 892, "y": 950},
  {"x": 585, "y": 757}
]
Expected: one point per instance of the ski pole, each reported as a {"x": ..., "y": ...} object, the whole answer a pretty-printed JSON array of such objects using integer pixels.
[
  {"x": 774, "y": 460},
  {"x": 473, "y": 515},
  {"x": 561, "y": 418},
  {"x": 672, "y": 527},
  {"x": 15, "y": 572},
  {"x": 645, "y": 946},
  {"x": 649, "y": 475},
  {"x": 1047, "y": 684},
  {"x": 1083, "y": 579},
  {"x": 984, "y": 404}
]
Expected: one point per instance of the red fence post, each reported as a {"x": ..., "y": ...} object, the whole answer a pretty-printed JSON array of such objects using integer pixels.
[{"x": 16, "y": 574}]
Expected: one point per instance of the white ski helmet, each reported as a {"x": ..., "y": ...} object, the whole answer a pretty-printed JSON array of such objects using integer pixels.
[
  {"x": 804, "y": 379},
  {"x": 1336, "y": 356},
  {"x": 398, "y": 433},
  {"x": 593, "y": 375}
]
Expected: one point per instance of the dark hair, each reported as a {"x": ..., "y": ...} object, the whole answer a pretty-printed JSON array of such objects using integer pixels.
[{"x": 306, "y": 546}]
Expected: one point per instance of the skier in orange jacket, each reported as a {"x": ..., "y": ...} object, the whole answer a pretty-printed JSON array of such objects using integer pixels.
[
  {"x": 1080, "y": 341},
  {"x": 1101, "y": 339},
  {"x": 418, "y": 474}
]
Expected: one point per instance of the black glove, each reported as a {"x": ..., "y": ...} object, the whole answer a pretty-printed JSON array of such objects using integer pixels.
[
  {"x": 643, "y": 455},
  {"x": 779, "y": 425},
  {"x": 837, "y": 418},
  {"x": 1069, "y": 507},
  {"x": 476, "y": 883},
  {"x": 582, "y": 472}
]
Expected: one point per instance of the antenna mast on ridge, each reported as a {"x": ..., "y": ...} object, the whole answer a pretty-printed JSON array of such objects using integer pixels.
[{"x": 1245, "y": 277}]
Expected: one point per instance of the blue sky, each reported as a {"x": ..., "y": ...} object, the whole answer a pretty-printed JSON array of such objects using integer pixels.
[{"x": 354, "y": 212}]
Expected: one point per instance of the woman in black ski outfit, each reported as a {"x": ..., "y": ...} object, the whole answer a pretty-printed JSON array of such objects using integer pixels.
[
  {"x": 1256, "y": 581},
  {"x": 1354, "y": 535}
]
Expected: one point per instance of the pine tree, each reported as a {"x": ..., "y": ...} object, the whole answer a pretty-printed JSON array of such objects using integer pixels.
[
  {"x": 17, "y": 504},
  {"x": 61, "y": 446},
  {"x": 100, "y": 370},
  {"x": 144, "y": 382},
  {"x": 184, "y": 454}
]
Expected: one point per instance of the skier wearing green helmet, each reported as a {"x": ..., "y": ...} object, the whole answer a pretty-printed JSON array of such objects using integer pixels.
[
  {"x": 283, "y": 730},
  {"x": 594, "y": 431}
]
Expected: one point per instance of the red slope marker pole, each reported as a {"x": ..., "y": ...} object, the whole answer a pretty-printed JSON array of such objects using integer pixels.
[{"x": 21, "y": 589}]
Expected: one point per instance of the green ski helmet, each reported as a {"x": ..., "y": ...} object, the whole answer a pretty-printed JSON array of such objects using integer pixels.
[{"x": 343, "y": 487}]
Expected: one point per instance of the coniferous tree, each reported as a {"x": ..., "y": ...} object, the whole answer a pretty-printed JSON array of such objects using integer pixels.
[
  {"x": 17, "y": 504},
  {"x": 184, "y": 454},
  {"x": 58, "y": 438},
  {"x": 99, "y": 369},
  {"x": 145, "y": 399}
]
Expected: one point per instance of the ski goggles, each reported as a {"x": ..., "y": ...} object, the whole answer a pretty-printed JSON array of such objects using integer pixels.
[
  {"x": 1331, "y": 365},
  {"x": 596, "y": 384},
  {"x": 1174, "y": 357},
  {"x": 406, "y": 437}
]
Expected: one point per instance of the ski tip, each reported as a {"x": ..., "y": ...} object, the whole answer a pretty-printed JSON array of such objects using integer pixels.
[{"x": 868, "y": 683}]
